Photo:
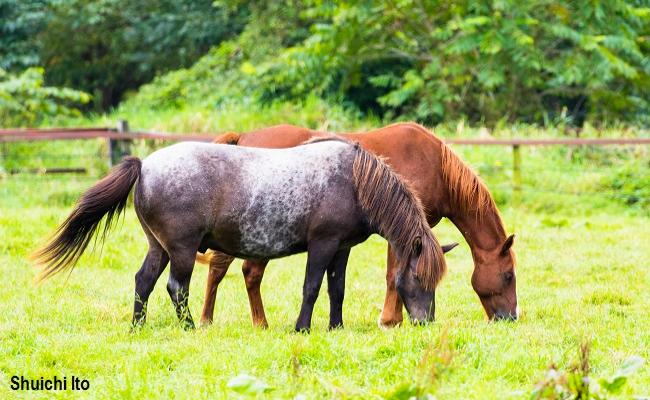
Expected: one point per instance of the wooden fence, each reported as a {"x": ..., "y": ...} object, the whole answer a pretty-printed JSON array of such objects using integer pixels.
[{"x": 120, "y": 138}]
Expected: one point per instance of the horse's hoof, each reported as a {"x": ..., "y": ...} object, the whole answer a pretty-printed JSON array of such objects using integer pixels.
[
  {"x": 188, "y": 325},
  {"x": 262, "y": 324},
  {"x": 386, "y": 325},
  {"x": 304, "y": 331},
  {"x": 204, "y": 323},
  {"x": 137, "y": 324}
]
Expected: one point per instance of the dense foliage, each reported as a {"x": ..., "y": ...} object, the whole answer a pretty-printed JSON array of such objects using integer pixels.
[
  {"x": 501, "y": 61},
  {"x": 228, "y": 73},
  {"x": 25, "y": 101},
  {"x": 118, "y": 45},
  {"x": 488, "y": 60},
  {"x": 537, "y": 61},
  {"x": 20, "y": 22},
  {"x": 107, "y": 47}
]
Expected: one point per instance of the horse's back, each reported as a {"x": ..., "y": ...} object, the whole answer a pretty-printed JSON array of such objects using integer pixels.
[
  {"x": 190, "y": 160},
  {"x": 251, "y": 201},
  {"x": 412, "y": 151},
  {"x": 277, "y": 137},
  {"x": 281, "y": 190}
]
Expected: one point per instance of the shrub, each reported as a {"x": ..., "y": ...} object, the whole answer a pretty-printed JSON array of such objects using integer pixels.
[
  {"x": 25, "y": 101},
  {"x": 576, "y": 383}
]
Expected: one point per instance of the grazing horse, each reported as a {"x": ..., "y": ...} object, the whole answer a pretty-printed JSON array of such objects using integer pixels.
[
  {"x": 446, "y": 187},
  {"x": 259, "y": 204}
]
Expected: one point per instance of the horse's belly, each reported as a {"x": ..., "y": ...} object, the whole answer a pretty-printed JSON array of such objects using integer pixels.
[
  {"x": 271, "y": 238},
  {"x": 257, "y": 235},
  {"x": 265, "y": 252},
  {"x": 255, "y": 245}
]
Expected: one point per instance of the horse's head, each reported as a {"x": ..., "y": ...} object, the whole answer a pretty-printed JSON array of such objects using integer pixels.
[
  {"x": 495, "y": 282},
  {"x": 418, "y": 299}
]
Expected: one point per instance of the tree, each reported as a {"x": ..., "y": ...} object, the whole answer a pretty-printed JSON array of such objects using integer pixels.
[
  {"x": 107, "y": 47},
  {"x": 20, "y": 22},
  {"x": 488, "y": 60}
]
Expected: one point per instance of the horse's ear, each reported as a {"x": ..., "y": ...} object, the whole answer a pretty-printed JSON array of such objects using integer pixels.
[
  {"x": 417, "y": 245},
  {"x": 507, "y": 245},
  {"x": 449, "y": 247}
]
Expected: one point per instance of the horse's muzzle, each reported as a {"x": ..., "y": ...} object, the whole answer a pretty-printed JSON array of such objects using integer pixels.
[{"x": 505, "y": 316}]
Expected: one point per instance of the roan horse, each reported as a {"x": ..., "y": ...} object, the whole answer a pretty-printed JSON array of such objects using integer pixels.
[
  {"x": 259, "y": 204},
  {"x": 446, "y": 187}
]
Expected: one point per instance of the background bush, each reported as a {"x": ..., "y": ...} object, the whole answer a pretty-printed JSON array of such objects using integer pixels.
[
  {"x": 489, "y": 62},
  {"x": 486, "y": 61},
  {"x": 108, "y": 47},
  {"x": 25, "y": 101}
]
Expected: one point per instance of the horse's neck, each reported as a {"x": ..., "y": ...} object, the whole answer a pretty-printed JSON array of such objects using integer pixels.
[{"x": 484, "y": 233}]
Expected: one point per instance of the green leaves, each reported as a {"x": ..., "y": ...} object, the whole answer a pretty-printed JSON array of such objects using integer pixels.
[
  {"x": 411, "y": 85},
  {"x": 431, "y": 61},
  {"x": 248, "y": 385},
  {"x": 108, "y": 47},
  {"x": 522, "y": 60},
  {"x": 25, "y": 101},
  {"x": 578, "y": 384},
  {"x": 20, "y": 22},
  {"x": 615, "y": 383}
]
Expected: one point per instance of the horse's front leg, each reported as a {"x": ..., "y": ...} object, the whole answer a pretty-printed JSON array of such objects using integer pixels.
[
  {"x": 253, "y": 274},
  {"x": 391, "y": 314},
  {"x": 145, "y": 279},
  {"x": 219, "y": 263},
  {"x": 336, "y": 287},
  {"x": 319, "y": 256},
  {"x": 178, "y": 286}
]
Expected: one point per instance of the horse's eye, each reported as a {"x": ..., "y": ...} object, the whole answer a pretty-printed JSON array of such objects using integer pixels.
[{"x": 507, "y": 277}]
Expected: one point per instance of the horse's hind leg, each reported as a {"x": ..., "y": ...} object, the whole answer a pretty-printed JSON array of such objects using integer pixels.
[
  {"x": 178, "y": 286},
  {"x": 319, "y": 256},
  {"x": 219, "y": 263},
  {"x": 145, "y": 279},
  {"x": 336, "y": 287},
  {"x": 253, "y": 274}
]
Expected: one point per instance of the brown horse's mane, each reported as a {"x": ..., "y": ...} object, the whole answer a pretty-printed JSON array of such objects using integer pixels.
[
  {"x": 398, "y": 214},
  {"x": 466, "y": 189}
]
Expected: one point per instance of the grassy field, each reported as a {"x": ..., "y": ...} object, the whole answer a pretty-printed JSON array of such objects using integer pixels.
[{"x": 582, "y": 276}]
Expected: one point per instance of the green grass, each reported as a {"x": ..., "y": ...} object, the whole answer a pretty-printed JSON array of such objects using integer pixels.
[
  {"x": 582, "y": 230},
  {"x": 239, "y": 115},
  {"x": 583, "y": 274}
]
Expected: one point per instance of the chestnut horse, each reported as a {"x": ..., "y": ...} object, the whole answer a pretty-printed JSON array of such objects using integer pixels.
[
  {"x": 259, "y": 204},
  {"x": 446, "y": 187}
]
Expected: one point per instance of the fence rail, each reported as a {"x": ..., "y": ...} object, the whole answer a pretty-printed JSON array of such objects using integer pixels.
[
  {"x": 30, "y": 134},
  {"x": 23, "y": 131},
  {"x": 103, "y": 133},
  {"x": 550, "y": 142},
  {"x": 120, "y": 138}
]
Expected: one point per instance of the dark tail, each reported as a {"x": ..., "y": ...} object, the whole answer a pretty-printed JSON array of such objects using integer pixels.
[{"x": 106, "y": 198}]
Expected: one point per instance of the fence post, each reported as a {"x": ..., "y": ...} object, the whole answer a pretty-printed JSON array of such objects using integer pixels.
[
  {"x": 119, "y": 148},
  {"x": 516, "y": 174},
  {"x": 3, "y": 156}
]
